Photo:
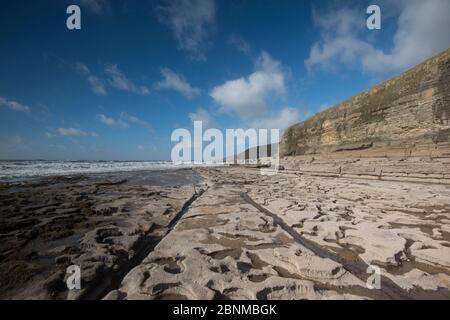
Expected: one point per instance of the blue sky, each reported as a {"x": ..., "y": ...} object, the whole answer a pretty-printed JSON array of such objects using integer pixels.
[{"x": 138, "y": 69}]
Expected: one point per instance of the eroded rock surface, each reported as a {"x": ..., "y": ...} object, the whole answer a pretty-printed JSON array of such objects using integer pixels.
[
  {"x": 103, "y": 224},
  {"x": 292, "y": 236}
]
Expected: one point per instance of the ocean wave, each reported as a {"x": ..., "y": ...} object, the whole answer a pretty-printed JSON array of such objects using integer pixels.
[{"x": 21, "y": 169}]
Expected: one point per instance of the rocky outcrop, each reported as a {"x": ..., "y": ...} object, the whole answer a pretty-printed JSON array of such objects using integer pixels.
[
  {"x": 405, "y": 116},
  {"x": 406, "y": 169}
]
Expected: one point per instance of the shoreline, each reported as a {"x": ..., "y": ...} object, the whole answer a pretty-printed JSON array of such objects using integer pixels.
[{"x": 54, "y": 173}]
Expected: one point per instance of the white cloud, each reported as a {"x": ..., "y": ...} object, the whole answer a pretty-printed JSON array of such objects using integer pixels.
[
  {"x": 75, "y": 132},
  {"x": 422, "y": 31},
  {"x": 247, "y": 96},
  {"x": 202, "y": 115},
  {"x": 239, "y": 43},
  {"x": 97, "y": 85},
  {"x": 191, "y": 22},
  {"x": 123, "y": 121},
  {"x": 340, "y": 43},
  {"x": 119, "y": 81},
  {"x": 82, "y": 68},
  {"x": 14, "y": 106},
  {"x": 115, "y": 78},
  {"x": 113, "y": 123},
  {"x": 173, "y": 81},
  {"x": 281, "y": 120},
  {"x": 133, "y": 119},
  {"x": 96, "y": 6}
]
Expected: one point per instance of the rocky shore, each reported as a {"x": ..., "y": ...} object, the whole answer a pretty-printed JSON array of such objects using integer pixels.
[
  {"x": 224, "y": 233},
  {"x": 106, "y": 224},
  {"x": 293, "y": 236}
]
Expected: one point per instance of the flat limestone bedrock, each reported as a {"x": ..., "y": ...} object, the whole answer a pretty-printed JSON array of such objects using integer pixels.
[
  {"x": 406, "y": 169},
  {"x": 405, "y": 116},
  {"x": 288, "y": 237}
]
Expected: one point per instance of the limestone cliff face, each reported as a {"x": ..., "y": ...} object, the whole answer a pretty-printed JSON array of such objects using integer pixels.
[{"x": 407, "y": 115}]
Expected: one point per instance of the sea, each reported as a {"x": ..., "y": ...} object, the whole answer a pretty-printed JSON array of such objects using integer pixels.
[{"x": 14, "y": 170}]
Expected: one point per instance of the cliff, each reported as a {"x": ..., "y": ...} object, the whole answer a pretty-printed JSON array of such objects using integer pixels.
[{"x": 407, "y": 115}]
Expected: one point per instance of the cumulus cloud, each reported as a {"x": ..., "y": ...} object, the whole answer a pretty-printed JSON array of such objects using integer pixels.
[
  {"x": 113, "y": 123},
  {"x": 202, "y": 115},
  {"x": 119, "y": 81},
  {"x": 247, "y": 96},
  {"x": 14, "y": 106},
  {"x": 281, "y": 120},
  {"x": 97, "y": 85},
  {"x": 73, "y": 132},
  {"x": 174, "y": 81},
  {"x": 190, "y": 22},
  {"x": 422, "y": 31},
  {"x": 340, "y": 38}
]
